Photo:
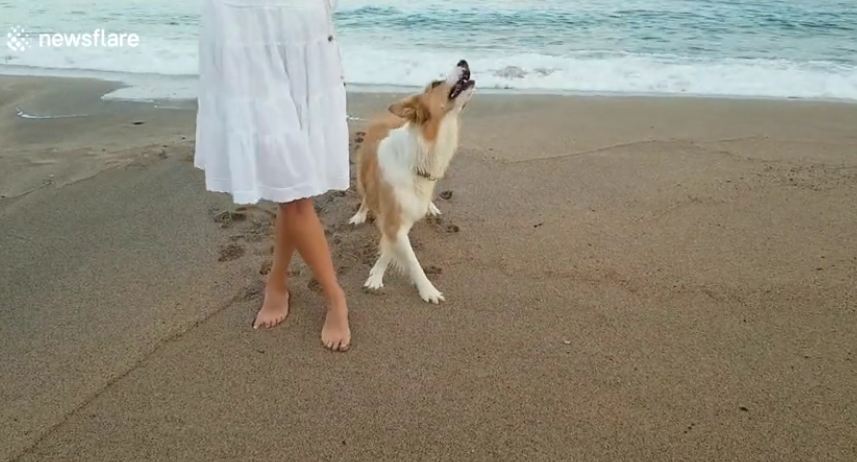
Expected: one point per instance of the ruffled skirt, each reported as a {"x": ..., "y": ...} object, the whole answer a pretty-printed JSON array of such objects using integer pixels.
[{"x": 272, "y": 119}]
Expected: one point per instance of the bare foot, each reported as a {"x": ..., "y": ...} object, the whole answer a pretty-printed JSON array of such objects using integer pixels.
[
  {"x": 336, "y": 334},
  {"x": 274, "y": 310}
]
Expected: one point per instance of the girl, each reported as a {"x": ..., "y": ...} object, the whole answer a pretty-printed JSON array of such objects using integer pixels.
[{"x": 272, "y": 126}]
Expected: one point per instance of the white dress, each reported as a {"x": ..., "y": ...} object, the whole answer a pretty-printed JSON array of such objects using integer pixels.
[{"x": 271, "y": 122}]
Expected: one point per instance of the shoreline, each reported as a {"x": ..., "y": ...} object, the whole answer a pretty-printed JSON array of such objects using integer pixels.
[{"x": 125, "y": 83}]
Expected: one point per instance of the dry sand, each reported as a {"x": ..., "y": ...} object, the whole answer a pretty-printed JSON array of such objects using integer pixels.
[{"x": 627, "y": 279}]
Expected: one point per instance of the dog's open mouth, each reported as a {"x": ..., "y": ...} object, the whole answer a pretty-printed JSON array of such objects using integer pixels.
[{"x": 464, "y": 83}]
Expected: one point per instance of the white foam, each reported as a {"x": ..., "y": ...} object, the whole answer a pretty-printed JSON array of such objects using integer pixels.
[
  {"x": 617, "y": 74},
  {"x": 167, "y": 69},
  {"x": 153, "y": 56}
]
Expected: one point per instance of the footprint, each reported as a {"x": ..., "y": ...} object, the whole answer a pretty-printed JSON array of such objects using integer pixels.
[
  {"x": 431, "y": 270},
  {"x": 368, "y": 255},
  {"x": 314, "y": 285},
  {"x": 253, "y": 292},
  {"x": 452, "y": 229},
  {"x": 231, "y": 252},
  {"x": 266, "y": 267},
  {"x": 446, "y": 195},
  {"x": 226, "y": 218},
  {"x": 261, "y": 252},
  {"x": 255, "y": 238}
]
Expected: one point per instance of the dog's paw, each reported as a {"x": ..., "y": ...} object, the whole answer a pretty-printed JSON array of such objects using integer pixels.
[
  {"x": 430, "y": 294},
  {"x": 433, "y": 211},
  {"x": 375, "y": 282},
  {"x": 358, "y": 219}
]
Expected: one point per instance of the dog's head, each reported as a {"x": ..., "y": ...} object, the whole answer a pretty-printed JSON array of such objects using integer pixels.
[{"x": 439, "y": 99}]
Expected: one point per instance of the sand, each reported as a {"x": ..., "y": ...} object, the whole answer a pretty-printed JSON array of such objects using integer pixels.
[{"x": 627, "y": 279}]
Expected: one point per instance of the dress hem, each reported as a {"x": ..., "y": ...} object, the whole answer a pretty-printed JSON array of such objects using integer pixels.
[{"x": 278, "y": 195}]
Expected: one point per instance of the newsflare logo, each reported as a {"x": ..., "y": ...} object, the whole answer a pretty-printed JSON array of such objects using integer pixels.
[{"x": 18, "y": 40}]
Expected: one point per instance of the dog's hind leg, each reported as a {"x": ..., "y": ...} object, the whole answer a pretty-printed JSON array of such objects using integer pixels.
[
  {"x": 376, "y": 274},
  {"x": 408, "y": 259},
  {"x": 360, "y": 217}
]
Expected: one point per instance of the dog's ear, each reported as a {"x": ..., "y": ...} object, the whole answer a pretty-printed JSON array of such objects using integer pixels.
[{"x": 410, "y": 108}]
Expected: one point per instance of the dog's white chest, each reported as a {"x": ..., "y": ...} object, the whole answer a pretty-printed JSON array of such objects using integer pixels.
[
  {"x": 404, "y": 153},
  {"x": 415, "y": 200}
]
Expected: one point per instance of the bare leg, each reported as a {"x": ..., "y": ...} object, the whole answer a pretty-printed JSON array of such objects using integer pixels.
[
  {"x": 306, "y": 232},
  {"x": 275, "y": 308}
]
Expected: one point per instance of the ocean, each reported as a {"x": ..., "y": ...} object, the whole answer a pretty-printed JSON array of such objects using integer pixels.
[{"x": 763, "y": 48}]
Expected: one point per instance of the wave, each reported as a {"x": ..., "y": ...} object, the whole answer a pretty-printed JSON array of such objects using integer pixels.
[
  {"x": 590, "y": 71},
  {"x": 602, "y": 73}
]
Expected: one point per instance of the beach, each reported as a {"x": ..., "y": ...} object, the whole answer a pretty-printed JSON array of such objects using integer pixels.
[{"x": 627, "y": 278}]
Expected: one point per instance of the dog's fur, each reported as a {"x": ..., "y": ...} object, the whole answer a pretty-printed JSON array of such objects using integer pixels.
[{"x": 403, "y": 156}]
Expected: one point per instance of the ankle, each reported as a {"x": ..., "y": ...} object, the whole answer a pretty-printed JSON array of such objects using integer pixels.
[
  {"x": 335, "y": 298},
  {"x": 277, "y": 284}
]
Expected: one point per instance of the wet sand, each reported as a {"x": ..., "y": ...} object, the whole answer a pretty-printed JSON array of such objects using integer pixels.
[{"x": 627, "y": 279}]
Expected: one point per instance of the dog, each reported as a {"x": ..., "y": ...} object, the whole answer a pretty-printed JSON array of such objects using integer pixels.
[{"x": 402, "y": 157}]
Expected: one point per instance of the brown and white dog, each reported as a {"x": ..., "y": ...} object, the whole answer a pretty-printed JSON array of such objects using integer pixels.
[{"x": 403, "y": 156}]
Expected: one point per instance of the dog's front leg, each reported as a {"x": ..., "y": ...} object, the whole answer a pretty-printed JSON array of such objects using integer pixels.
[
  {"x": 376, "y": 274},
  {"x": 433, "y": 211},
  {"x": 408, "y": 259}
]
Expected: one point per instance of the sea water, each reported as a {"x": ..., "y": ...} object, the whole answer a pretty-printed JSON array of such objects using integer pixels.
[{"x": 760, "y": 48}]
